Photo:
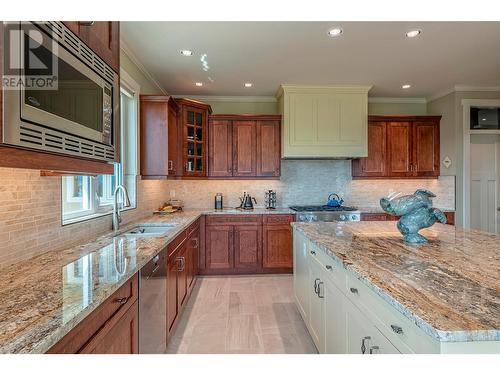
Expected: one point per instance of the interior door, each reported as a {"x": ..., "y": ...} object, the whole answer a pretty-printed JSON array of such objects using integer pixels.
[{"x": 484, "y": 186}]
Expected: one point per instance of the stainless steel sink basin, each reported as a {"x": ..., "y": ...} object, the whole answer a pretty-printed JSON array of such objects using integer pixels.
[{"x": 149, "y": 230}]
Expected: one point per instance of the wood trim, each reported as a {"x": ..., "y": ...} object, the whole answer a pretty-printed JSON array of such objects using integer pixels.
[
  {"x": 193, "y": 103},
  {"x": 1, "y": 87},
  {"x": 12, "y": 157},
  {"x": 243, "y": 117},
  {"x": 403, "y": 118}
]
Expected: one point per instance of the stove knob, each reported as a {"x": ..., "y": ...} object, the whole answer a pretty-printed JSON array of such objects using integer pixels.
[
  {"x": 354, "y": 218},
  {"x": 343, "y": 218}
]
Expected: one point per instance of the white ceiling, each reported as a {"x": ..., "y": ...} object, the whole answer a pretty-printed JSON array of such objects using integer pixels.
[{"x": 271, "y": 53}]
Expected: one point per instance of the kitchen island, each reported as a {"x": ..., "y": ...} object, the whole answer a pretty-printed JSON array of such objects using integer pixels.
[{"x": 440, "y": 297}]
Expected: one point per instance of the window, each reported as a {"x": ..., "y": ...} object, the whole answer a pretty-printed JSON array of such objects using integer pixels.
[{"x": 84, "y": 197}]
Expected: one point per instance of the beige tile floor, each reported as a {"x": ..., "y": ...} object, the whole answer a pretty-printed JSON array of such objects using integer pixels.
[{"x": 242, "y": 314}]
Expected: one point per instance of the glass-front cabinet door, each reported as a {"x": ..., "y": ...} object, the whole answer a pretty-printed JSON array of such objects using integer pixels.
[{"x": 195, "y": 127}]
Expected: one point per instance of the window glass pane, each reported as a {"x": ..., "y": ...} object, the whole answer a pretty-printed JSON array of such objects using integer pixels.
[{"x": 76, "y": 195}]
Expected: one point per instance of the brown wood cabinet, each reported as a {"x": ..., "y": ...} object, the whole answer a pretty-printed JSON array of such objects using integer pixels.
[
  {"x": 181, "y": 272},
  {"x": 239, "y": 244},
  {"x": 366, "y": 216},
  {"x": 111, "y": 328},
  {"x": 103, "y": 37},
  {"x": 277, "y": 242},
  {"x": 400, "y": 147},
  {"x": 158, "y": 141},
  {"x": 192, "y": 138},
  {"x": 244, "y": 146}
]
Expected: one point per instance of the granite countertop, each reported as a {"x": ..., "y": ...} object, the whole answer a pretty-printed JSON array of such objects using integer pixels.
[
  {"x": 450, "y": 287},
  {"x": 379, "y": 210},
  {"x": 43, "y": 298}
]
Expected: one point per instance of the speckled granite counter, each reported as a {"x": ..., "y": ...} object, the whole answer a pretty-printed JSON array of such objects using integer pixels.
[
  {"x": 379, "y": 210},
  {"x": 43, "y": 298},
  {"x": 449, "y": 287}
]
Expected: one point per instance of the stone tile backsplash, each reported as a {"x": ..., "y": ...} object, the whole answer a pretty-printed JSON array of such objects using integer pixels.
[{"x": 30, "y": 205}]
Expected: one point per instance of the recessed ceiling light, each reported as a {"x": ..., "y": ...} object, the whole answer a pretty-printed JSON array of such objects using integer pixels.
[
  {"x": 335, "y": 32},
  {"x": 186, "y": 52},
  {"x": 413, "y": 33},
  {"x": 199, "y": 84},
  {"x": 248, "y": 84},
  {"x": 406, "y": 86}
]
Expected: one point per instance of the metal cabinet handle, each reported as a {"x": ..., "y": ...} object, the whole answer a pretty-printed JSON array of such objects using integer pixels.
[
  {"x": 313, "y": 252},
  {"x": 316, "y": 285},
  {"x": 397, "y": 329},
  {"x": 86, "y": 23},
  {"x": 181, "y": 265},
  {"x": 363, "y": 345},
  {"x": 319, "y": 289},
  {"x": 170, "y": 165},
  {"x": 353, "y": 290},
  {"x": 374, "y": 347},
  {"x": 122, "y": 301},
  {"x": 195, "y": 240},
  {"x": 328, "y": 267}
]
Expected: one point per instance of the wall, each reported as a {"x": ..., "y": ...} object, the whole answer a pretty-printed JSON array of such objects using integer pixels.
[
  {"x": 309, "y": 182},
  {"x": 30, "y": 205},
  {"x": 450, "y": 107},
  {"x": 397, "y": 108}
]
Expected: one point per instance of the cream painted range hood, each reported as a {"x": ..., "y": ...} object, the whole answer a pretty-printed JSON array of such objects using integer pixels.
[{"x": 324, "y": 122}]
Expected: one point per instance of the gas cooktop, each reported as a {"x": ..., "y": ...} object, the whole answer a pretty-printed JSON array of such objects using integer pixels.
[
  {"x": 326, "y": 213},
  {"x": 322, "y": 208}
]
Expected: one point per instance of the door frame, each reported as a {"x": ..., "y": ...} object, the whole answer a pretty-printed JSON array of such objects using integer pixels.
[{"x": 467, "y": 132}]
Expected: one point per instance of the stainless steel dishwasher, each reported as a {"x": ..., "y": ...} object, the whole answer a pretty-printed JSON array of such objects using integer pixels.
[{"x": 153, "y": 306}]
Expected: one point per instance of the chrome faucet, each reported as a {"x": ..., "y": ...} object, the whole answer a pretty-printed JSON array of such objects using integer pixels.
[{"x": 117, "y": 219}]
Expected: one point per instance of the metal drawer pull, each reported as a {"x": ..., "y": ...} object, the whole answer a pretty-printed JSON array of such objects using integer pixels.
[
  {"x": 122, "y": 301},
  {"x": 397, "y": 329},
  {"x": 353, "y": 290},
  {"x": 319, "y": 289},
  {"x": 375, "y": 347},
  {"x": 313, "y": 252},
  {"x": 328, "y": 267},
  {"x": 363, "y": 346},
  {"x": 86, "y": 23}
]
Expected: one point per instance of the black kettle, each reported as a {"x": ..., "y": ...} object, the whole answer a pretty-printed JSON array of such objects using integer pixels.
[{"x": 247, "y": 202}]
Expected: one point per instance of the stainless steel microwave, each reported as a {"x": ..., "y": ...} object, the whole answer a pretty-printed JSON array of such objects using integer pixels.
[{"x": 59, "y": 96}]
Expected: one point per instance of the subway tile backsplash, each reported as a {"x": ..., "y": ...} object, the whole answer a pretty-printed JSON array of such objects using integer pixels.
[{"x": 30, "y": 205}]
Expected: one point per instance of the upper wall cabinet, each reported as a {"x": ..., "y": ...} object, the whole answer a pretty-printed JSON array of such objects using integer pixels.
[
  {"x": 244, "y": 146},
  {"x": 400, "y": 147},
  {"x": 192, "y": 138},
  {"x": 324, "y": 121},
  {"x": 103, "y": 37},
  {"x": 158, "y": 120}
]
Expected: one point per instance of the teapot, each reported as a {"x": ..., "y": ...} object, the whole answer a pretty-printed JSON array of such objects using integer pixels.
[
  {"x": 334, "y": 200},
  {"x": 246, "y": 202}
]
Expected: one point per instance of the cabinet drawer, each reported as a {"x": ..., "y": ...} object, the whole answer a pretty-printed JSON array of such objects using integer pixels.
[
  {"x": 119, "y": 302},
  {"x": 373, "y": 217},
  {"x": 333, "y": 270},
  {"x": 277, "y": 219},
  {"x": 402, "y": 332},
  {"x": 176, "y": 242},
  {"x": 193, "y": 227},
  {"x": 249, "y": 219}
]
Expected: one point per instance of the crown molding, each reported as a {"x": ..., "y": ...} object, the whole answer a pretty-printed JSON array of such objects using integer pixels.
[
  {"x": 126, "y": 50},
  {"x": 396, "y": 100},
  {"x": 462, "y": 88},
  {"x": 234, "y": 99}
]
